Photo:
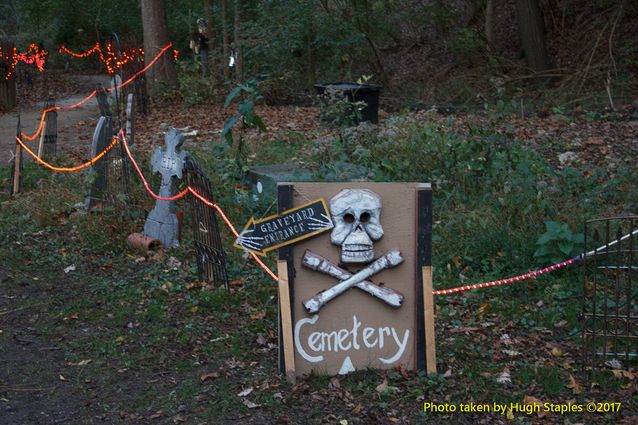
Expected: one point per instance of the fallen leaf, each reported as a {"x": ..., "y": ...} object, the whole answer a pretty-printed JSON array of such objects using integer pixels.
[
  {"x": 448, "y": 373},
  {"x": 512, "y": 353},
  {"x": 180, "y": 418},
  {"x": 156, "y": 414},
  {"x": 208, "y": 376},
  {"x": 62, "y": 378},
  {"x": 382, "y": 386},
  {"x": 614, "y": 364},
  {"x": 557, "y": 352},
  {"x": 69, "y": 268},
  {"x": 575, "y": 386},
  {"x": 619, "y": 373},
  {"x": 196, "y": 285},
  {"x": 84, "y": 362},
  {"x": 245, "y": 392},
  {"x": 334, "y": 383},
  {"x": 343, "y": 422},
  {"x": 173, "y": 262},
  {"x": 249, "y": 404},
  {"x": 259, "y": 315},
  {"x": 261, "y": 340},
  {"x": 504, "y": 377},
  {"x": 357, "y": 409}
]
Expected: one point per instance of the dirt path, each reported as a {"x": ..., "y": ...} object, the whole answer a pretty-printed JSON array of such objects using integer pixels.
[{"x": 74, "y": 125}]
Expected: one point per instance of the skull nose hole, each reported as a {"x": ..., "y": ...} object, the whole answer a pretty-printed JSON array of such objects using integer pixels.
[
  {"x": 365, "y": 217},
  {"x": 348, "y": 218}
]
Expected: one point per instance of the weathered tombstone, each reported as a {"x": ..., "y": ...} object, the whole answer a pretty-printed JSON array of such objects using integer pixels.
[
  {"x": 102, "y": 137},
  {"x": 335, "y": 315},
  {"x": 209, "y": 251},
  {"x": 162, "y": 223},
  {"x": 103, "y": 101},
  {"x": 130, "y": 119},
  {"x": 17, "y": 166},
  {"x": 49, "y": 136}
]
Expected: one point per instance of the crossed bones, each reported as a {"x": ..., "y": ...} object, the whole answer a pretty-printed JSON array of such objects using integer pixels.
[{"x": 318, "y": 263}]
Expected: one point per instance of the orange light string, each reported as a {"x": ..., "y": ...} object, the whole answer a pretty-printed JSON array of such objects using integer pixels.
[
  {"x": 144, "y": 182},
  {"x": 33, "y": 55},
  {"x": 198, "y": 196},
  {"x": 67, "y": 169},
  {"x": 93, "y": 93}
]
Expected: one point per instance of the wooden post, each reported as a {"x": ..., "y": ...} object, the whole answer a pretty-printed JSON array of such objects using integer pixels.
[
  {"x": 286, "y": 320},
  {"x": 428, "y": 317},
  {"x": 42, "y": 133},
  {"x": 17, "y": 170}
]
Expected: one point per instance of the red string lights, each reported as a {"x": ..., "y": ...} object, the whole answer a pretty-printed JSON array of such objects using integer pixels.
[
  {"x": 86, "y": 99},
  {"x": 508, "y": 280},
  {"x": 33, "y": 55},
  {"x": 198, "y": 196},
  {"x": 108, "y": 55}
]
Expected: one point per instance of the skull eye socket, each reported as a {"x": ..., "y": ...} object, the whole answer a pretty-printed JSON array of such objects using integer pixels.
[
  {"x": 348, "y": 218},
  {"x": 365, "y": 217}
]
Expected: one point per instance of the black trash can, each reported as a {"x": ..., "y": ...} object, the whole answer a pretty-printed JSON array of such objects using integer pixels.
[{"x": 368, "y": 93}]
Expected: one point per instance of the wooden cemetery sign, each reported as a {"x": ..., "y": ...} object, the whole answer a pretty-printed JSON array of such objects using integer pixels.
[
  {"x": 102, "y": 137},
  {"x": 288, "y": 227},
  {"x": 17, "y": 165},
  {"x": 162, "y": 223},
  {"x": 359, "y": 296},
  {"x": 49, "y": 136},
  {"x": 209, "y": 251}
]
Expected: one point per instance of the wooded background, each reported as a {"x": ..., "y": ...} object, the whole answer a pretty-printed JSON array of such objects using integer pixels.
[{"x": 423, "y": 51}]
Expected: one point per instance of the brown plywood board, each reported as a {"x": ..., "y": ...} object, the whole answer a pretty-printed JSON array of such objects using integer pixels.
[{"x": 355, "y": 325}]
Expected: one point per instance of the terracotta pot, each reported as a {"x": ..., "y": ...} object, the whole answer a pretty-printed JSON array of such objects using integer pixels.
[{"x": 142, "y": 242}]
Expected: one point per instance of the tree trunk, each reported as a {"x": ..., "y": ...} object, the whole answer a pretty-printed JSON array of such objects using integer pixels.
[
  {"x": 239, "y": 62},
  {"x": 210, "y": 28},
  {"x": 224, "y": 12},
  {"x": 532, "y": 31},
  {"x": 156, "y": 38},
  {"x": 489, "y": 24}
]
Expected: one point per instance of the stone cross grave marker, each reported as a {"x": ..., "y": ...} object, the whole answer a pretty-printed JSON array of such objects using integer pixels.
[
  {"x": 162, "y": 223},
  {"x": 101, "y": 139}
]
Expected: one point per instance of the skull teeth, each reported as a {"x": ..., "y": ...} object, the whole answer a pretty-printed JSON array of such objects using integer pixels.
[{"x": 357, "y": 248}]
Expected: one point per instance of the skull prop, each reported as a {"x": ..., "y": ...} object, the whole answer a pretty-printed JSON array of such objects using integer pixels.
[{"x": 356, "y": 215}]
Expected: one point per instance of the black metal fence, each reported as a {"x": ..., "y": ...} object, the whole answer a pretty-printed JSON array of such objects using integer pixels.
[
  {"x": 610, "y": 298},
  {"x": 211, "y": 258}
]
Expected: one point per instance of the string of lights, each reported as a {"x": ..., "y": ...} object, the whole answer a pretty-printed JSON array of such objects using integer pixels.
[
  {"x": 198, "y": 196},
  {"x": 508, "y": 280},
  {"x": 109, "y": 57},
  {"x": 34, "y": 55},
  {"x": 67, "y": 169},
  {"x": 87, "y": 98}
]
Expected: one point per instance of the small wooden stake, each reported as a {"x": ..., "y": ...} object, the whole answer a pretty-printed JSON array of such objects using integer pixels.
[
  {"x": 17, "y": 165},
  {"x": 428, "y": 317},
  {"x": 286, "y": 320}
]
